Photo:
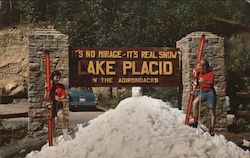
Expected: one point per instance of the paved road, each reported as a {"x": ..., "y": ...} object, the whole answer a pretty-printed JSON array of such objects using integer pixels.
[
  {"x": 13, "y": 108},
  {"x": 85, "y": 114},
  {"x": 81, "y": 117}
]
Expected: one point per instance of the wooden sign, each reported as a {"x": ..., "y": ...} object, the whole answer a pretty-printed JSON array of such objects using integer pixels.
[{"x": 123, "y": 67}]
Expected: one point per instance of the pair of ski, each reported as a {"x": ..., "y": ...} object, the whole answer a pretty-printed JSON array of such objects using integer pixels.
[
  {"x": 48, "y": 88},
  {"x": 194, "y": 87},
  {"x": 52, "y": 140}
]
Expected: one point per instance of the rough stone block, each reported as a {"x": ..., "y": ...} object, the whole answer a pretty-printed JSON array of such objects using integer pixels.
[
  {"x": 57, "y": 44},
  {"x": 214, "y": 52}
]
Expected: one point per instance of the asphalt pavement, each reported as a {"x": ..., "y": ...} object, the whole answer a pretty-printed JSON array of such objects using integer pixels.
[{"x": 82, "y": 117}]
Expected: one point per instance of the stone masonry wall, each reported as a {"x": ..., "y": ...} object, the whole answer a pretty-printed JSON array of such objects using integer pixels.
[
  {"x": 213, "y": 52},
  {"x": 57, "y": 44}
]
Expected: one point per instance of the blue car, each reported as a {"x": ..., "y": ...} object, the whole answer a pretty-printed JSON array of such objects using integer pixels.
[{"x": 81, "y": 99}]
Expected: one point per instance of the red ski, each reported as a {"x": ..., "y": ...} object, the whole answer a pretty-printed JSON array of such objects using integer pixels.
[
  {"x": 193, "y": 87},
  {"x": 50, "y": 120}
]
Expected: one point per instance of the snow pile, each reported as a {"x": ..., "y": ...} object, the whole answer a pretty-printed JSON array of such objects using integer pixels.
[{"x": 141, "y": 127}]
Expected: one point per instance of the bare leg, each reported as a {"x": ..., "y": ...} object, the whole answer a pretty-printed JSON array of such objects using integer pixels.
[
  {"x": 61, "y": 117},
  {"x": 54, "y": 132},
  {"x": 195, "y": 111},
  {"x": 213, "y": 117}
]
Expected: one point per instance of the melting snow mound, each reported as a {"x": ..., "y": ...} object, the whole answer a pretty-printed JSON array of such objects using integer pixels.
[{"x": 141, "y": 127}]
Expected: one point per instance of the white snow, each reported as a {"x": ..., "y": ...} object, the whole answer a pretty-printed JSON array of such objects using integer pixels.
[
  {"x": 141, "y": 127},
  {"x": 246, "y": 143},
  {"x": 136, "y": 91}
]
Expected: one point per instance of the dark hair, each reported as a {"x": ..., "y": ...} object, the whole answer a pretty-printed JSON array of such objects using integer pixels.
[
  {"x": 55, "y": 73},
  {"x": 53, "y": 88},
  {"x": 206, "y": 63}
]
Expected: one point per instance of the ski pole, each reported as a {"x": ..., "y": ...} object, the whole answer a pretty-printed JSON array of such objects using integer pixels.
[{"x": 199, "y": 112}]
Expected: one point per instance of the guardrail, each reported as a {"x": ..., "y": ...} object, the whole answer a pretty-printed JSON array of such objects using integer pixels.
[
  {"x": 5, "y": 99},
  {"x": 8, "y": 116}
]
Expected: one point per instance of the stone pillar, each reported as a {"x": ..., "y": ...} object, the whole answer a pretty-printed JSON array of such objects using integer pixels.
[
  {"x": 57, "y": 44},
  {"x": 213, "y": 52}
]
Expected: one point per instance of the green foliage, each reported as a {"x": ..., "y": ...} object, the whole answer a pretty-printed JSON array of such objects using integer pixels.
[
  {"x": 238, "y": 47},
  {"x": 126, "y": 23},
  {"x": 238, "y": 68},
  {"x": 131, "y": 23}
]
